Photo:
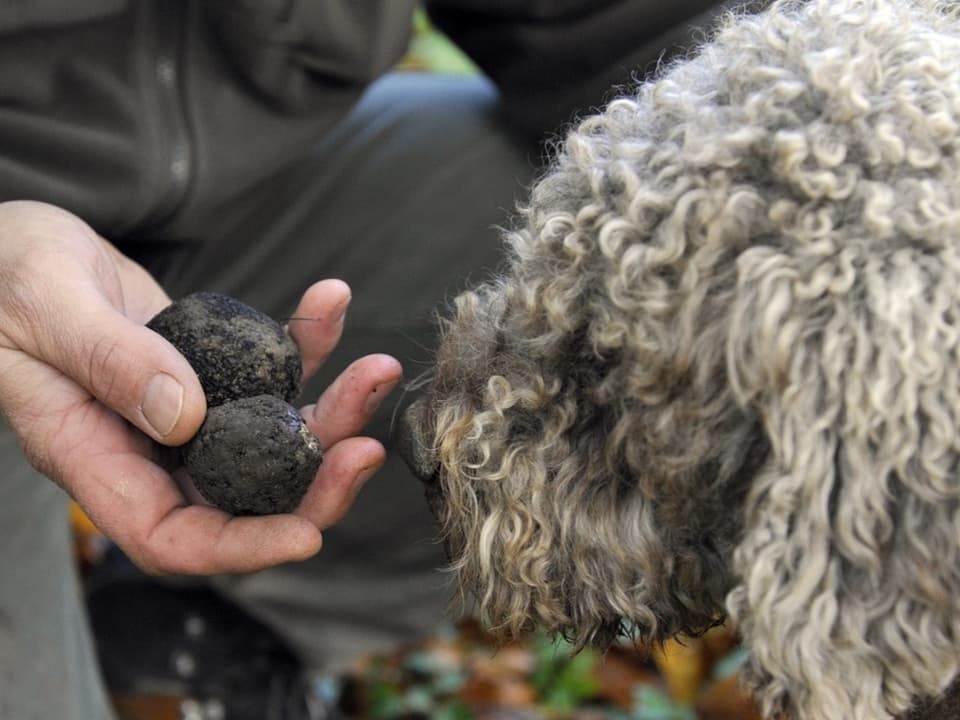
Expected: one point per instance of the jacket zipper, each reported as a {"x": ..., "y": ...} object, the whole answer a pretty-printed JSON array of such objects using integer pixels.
[{"x": 175, "y": 152}]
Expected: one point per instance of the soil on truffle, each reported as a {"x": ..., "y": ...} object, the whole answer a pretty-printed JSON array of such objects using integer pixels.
[
  {"x": 253, "y": 456},
  {"x": 236, "y": 350}
]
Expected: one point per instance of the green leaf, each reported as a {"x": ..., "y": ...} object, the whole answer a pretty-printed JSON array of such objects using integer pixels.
[
  {"x": 455, "y": 710},
  {"x": 385, "y": 702},
  {"x": 651, "y": 703},
  {"x": 728, "y": 665},
  {"x": 563, "y": 679}
]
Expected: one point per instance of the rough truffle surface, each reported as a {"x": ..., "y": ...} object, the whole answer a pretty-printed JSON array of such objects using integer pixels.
[
  {"x": 236, "y": 350},
  {"x": 253, "y": 456}
]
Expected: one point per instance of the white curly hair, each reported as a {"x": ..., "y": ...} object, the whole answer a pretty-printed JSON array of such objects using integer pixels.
[{"x": 720, "y": 373}]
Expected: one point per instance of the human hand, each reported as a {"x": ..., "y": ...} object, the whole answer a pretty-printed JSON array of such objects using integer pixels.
[{"x": 89, "y": 391}]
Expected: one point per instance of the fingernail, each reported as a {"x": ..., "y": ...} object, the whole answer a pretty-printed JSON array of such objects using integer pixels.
[
  {"x": 340, "y": 313},
  {"x": 363, "y": 476},
  {"x": 377, "y": 395},
  {"x": 162, "y": 403}
]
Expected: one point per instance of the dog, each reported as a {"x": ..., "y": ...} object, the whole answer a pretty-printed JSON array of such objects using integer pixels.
[{"x": 718, "y": 375}]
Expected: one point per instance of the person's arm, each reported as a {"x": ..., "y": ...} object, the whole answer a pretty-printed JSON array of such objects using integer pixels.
[
  {"x": 556, "y": 59},
  {"x": 90, "y": 391}
]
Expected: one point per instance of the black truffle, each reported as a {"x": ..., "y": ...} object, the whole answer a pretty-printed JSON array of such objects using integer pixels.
[
  {"x": 235, "y": 350},
  {"x": 253, "y": 456}
]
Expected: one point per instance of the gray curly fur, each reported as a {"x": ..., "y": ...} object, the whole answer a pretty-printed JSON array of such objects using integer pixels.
[{"x": 721, "y": 372}]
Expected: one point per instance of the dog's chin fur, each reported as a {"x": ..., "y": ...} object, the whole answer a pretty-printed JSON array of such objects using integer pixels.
[
  {"x": 721, "y": 372},
  {"x": 561, "y": 504}
]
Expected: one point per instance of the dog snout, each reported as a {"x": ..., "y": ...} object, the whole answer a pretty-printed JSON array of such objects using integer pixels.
[{"x": 413, "y": 444}]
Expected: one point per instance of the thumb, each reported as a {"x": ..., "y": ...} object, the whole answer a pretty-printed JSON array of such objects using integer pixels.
[{"x": 133, "y": 371}]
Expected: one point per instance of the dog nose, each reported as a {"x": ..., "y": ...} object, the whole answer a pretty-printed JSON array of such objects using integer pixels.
[{"x": 412, "y": 445}]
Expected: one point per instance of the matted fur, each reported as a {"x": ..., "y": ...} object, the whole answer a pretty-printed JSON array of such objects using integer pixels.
[{"x": 721, "y": 372}]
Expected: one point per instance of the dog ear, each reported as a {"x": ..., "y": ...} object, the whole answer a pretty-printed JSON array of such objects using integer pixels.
[{"x": 849, "y": 567}]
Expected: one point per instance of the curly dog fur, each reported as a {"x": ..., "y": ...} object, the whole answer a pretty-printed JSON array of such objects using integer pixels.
[{"x": 720, "y": 374}]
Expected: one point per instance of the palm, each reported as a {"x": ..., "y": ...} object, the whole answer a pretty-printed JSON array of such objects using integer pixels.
[{"x": 74, "y": 361}]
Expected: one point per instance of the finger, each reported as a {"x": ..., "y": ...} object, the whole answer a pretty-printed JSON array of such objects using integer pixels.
[
  {"x": 351, "y": 400},
  {"x": 65, "y": 305},
  {"x": 126, "y": 366},
  {"x": 346, "y": 468},
  {"x": 40, "y": 403},
  {"x": 196, "y": 540},
  {"x": 141, "y": 296},
  {"x": 138, "y": 505},
  {"x": 317, "y": 323}
]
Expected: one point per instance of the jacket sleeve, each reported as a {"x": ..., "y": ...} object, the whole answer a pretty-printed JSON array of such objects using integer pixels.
[
  {"x": 556, "y": 59},
  {"x": 297, "y": 52}
]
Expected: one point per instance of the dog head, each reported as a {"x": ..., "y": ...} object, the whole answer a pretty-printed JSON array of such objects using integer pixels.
[{"x": 721, "y": 368}]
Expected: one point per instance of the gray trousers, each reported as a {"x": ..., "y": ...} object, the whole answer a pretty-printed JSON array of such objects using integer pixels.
[{"x": 403, "y": 201}]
